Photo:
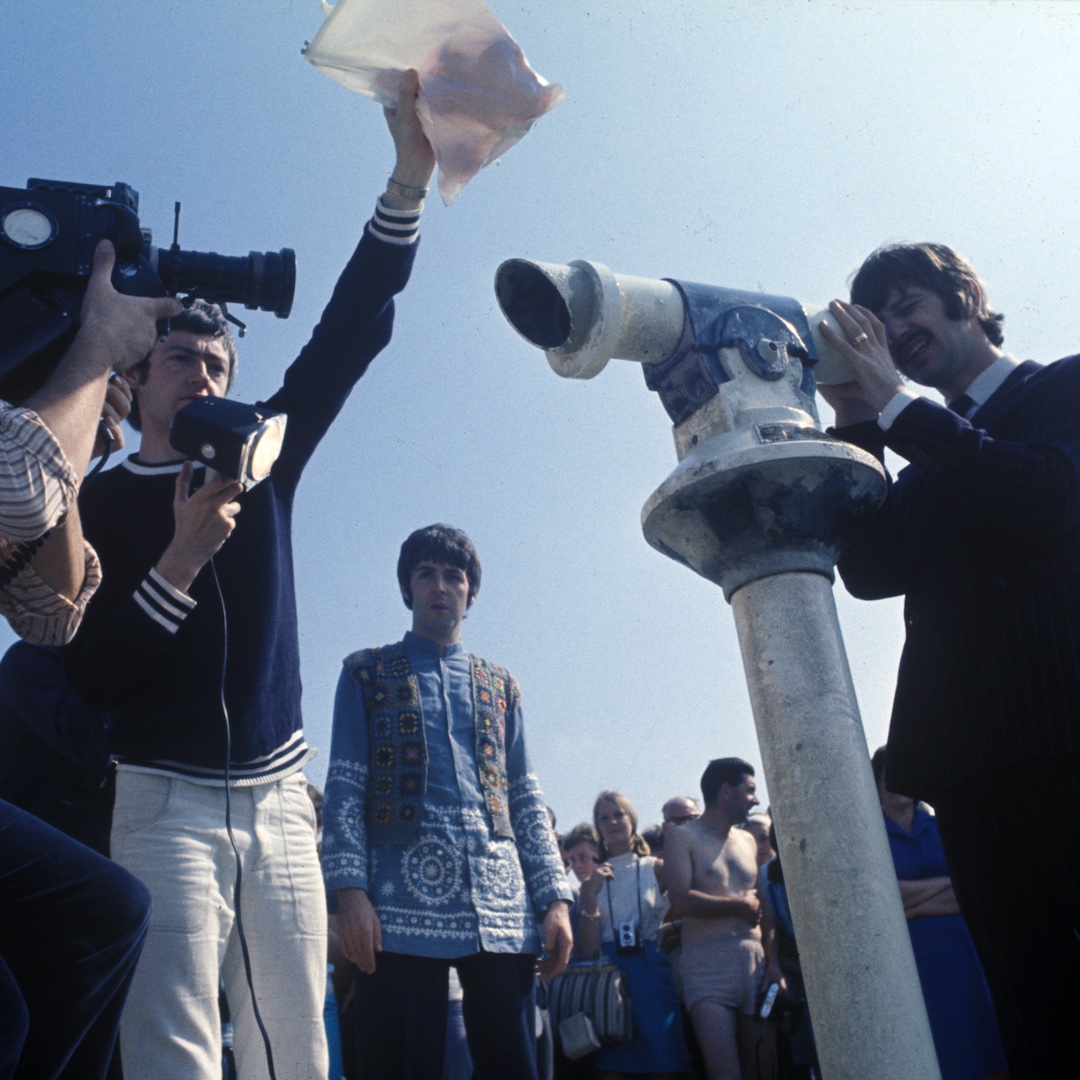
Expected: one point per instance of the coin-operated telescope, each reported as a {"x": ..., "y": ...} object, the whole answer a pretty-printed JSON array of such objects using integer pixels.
[
  {"x": 760, "y": 488},
  {"x": 758, "y": 504}
]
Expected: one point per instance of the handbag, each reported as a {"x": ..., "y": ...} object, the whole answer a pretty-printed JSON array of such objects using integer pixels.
[{"x": 597, "y": 992}]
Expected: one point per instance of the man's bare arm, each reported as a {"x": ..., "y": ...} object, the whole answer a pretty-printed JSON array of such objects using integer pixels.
[{"x": 115, "y": 331}]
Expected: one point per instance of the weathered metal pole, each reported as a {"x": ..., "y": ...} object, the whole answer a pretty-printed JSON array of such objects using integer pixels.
[
  {"x": 853, "y": 941},
  {"x": 757, "y": 505}
]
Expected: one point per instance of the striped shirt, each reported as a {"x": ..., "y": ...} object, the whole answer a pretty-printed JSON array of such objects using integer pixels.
[{"x": 37, "y": 487}]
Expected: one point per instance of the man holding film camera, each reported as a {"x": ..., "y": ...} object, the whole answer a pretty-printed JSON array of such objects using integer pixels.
[
  {"x": 198, "y": 602},
  {"x": 71, "y": 922}
]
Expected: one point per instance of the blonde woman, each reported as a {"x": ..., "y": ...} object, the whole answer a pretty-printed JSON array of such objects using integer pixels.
[{"x": 621, "y": 911}]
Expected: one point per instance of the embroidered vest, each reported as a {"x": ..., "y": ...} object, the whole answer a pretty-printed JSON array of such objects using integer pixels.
[{"x": 397, "y": 755}]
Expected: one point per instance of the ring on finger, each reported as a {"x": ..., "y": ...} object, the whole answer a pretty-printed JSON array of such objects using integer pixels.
[{"x": 858, "y": 339}]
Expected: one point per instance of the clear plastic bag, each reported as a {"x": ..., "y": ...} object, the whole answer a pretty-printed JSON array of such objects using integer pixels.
[{"x": 478, "y": 94}]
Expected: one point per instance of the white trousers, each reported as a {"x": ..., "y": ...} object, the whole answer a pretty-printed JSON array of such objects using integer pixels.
[{"x": 171, "y": 834}]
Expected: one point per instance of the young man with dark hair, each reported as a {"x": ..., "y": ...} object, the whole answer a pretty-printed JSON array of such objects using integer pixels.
[
  {"x": 437, "y": 845},
  {"x": 193, "y": 642},
  {"x": 981, "y": 535},
  {"x": 201, "y": 320},
  {"x": 711, "y": 870},
  {"x": 440, "y": 544},
  {"x": 732, "y": 771}
]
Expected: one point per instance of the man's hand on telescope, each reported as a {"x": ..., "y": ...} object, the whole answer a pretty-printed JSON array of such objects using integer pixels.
[
  {"x": 864, "y": 345},
  {"x": 415, "y": 158}
]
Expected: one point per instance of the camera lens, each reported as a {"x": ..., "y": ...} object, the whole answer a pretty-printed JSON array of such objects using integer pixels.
[{"x": 264, "y": 280}]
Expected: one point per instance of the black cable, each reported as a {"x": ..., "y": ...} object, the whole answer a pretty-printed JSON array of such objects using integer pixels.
[
  {"x": 232, "y": 839},
  {"x": 109, "y": 440}
]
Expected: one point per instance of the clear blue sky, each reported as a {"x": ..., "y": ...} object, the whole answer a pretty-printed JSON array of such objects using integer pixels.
[{"x": 758, "y": 145}]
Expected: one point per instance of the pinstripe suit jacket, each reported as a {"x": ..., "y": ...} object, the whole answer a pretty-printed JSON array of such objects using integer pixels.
[{"x": 981, "y": 534}]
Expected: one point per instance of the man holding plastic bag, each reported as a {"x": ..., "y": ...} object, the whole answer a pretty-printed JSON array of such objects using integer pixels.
[{"x": 162, "y": 610}]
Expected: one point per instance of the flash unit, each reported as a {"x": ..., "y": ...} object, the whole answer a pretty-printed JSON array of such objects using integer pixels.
[{"x": 236, "y": 440}]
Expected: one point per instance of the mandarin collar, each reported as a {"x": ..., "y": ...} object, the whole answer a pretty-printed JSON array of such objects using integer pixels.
[{"x": 432, "y": 648}]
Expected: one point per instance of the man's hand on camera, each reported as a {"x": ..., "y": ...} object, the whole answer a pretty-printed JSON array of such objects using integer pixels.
[
  {"x": 204, "y": 519},
  {"x": 127, "y": 323}
]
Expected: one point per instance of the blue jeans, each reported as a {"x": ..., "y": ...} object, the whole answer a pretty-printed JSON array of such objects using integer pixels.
[{"x": 72, "y": 924}]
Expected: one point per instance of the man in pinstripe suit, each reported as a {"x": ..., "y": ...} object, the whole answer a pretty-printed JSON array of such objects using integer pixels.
[{"x": 981, "y": 534}]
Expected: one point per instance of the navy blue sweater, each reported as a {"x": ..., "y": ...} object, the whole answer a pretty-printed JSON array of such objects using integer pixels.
[{"x": 158, "y": 664}]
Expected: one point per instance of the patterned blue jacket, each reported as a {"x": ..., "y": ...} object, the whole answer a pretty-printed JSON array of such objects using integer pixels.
[{"x": 457, "y": 886}]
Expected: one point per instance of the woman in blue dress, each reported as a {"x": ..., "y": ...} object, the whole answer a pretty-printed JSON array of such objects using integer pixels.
[
  {"x": 957, "y": 998},
  {"x": 622, "y": 908}
]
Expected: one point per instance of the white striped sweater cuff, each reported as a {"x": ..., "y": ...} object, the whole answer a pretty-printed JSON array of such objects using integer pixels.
[
  {"x": 162, "y": 602},
  {"x": 400, "y": 227}
]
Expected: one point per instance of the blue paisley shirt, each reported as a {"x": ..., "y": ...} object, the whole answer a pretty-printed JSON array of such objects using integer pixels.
[{"x": 457, "y": 889}]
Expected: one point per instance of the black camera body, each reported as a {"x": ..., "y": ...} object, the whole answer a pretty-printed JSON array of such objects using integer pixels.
[{"x": 48, "y": 233}]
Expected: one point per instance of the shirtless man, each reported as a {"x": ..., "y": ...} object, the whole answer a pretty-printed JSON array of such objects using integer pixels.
[{"x": 727, "y": 961}]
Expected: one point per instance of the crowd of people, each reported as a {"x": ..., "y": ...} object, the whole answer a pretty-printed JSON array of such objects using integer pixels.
[
  {"x": 157, "y": 834},
  {"x": 698, "y": 924}
]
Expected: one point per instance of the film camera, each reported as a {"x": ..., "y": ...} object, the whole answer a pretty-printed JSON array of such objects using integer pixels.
[
  {"x": 628, "y": 938},
  {"x": 48, "y": 233}
]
